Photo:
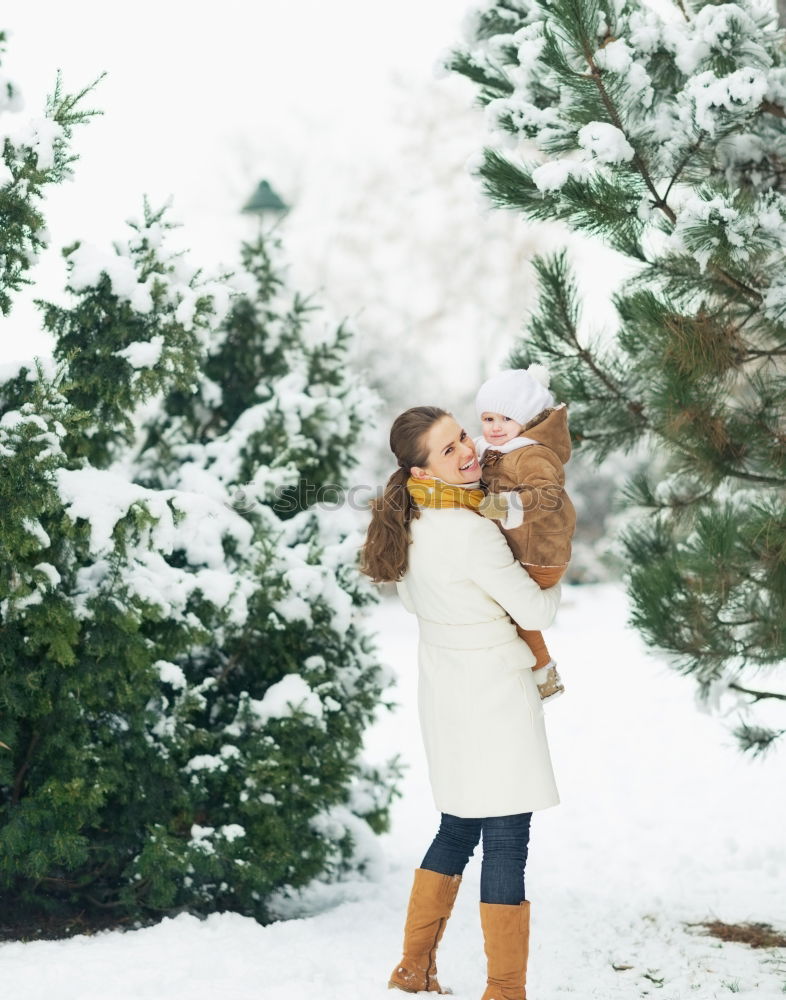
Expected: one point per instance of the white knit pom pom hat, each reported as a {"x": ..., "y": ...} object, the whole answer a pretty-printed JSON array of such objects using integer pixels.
[{"x": 518, "y": 393}]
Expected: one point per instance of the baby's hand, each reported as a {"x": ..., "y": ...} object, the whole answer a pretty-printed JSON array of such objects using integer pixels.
[
  {"x": 494, "y": 506},
  {"x": 505, "y": 507}
]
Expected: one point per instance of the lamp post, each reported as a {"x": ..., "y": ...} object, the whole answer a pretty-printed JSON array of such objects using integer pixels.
[{"x": 266, "y": 204}]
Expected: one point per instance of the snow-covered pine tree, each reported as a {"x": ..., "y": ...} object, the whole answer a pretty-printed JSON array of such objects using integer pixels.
[
  {"x": 662, "y": 132},
  {"x": 184, "y": 681},
  {"x": 35, "y": 153},
  {"x": 86, "y": 637},
  {"x": 290, "y": 685},
  {"x": 186, "y": 675}
]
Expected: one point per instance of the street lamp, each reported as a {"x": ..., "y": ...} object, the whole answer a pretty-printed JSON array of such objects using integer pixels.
[{"x": 266, "y": 204}]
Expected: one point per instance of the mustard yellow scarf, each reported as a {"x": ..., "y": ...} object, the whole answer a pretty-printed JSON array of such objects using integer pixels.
[{"x": 435, "y": 493}]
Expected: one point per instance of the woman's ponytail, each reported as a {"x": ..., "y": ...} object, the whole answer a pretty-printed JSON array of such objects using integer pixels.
[{"x": 383, "y": 557}]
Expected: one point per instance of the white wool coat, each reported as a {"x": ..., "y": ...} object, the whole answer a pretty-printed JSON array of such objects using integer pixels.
[{"x": 481, "y": 715}]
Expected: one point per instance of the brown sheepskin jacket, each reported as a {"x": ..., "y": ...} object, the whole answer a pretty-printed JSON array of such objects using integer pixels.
[{"x": 537, "y": 472}]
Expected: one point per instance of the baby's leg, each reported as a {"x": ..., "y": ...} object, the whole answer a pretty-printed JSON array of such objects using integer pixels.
[{"x": 544, "y": 576}]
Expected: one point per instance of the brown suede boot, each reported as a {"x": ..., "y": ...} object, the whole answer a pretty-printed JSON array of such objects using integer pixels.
[
  {"x": 430, "y": 903},
  {"x": 506, "y": 941}
]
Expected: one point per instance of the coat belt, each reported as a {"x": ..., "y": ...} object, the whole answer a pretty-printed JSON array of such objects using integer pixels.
[{"x": 477, "y": 635}]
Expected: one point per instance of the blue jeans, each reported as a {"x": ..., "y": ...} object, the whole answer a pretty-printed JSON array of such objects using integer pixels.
[{"x": 505, "y": 844}]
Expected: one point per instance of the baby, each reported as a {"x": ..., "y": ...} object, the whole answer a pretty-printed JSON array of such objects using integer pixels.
[{"x": 522, "y": 451}]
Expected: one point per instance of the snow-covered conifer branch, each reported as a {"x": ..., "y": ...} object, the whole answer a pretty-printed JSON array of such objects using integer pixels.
[{"x": 661, "y": 132}]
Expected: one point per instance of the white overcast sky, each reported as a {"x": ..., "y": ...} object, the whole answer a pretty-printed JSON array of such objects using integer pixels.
[{"x": 200, "y": 97}]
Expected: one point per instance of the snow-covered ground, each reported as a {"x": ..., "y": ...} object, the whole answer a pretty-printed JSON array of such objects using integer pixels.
[{"x": 662, "y": 822}]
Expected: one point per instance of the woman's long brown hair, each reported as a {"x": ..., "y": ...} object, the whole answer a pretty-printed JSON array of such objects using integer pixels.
[{"x": 383, "y": 557}]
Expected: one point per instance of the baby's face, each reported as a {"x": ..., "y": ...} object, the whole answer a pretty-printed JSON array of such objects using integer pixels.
[{"x": 497, "y": 428}]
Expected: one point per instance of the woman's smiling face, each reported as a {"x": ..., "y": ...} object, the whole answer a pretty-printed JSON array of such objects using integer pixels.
[{"x": 451, "y": 454}]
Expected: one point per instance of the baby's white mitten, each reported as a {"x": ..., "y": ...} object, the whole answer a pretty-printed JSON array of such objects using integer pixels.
[{"x": 505, "y": 507}]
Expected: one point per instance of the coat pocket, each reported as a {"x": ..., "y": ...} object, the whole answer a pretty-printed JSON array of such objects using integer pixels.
[
  {"x": 531, "y": 694},
  {"x": 518, "y": 660}
]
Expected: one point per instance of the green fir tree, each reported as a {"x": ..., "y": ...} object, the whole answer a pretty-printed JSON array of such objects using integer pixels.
[
  {"x": 36, "y": 152},
  {"x": 663, "y": 134},
  {"x": 185, "y": 670}
]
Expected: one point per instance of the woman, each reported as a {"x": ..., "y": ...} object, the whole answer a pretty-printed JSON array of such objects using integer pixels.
[{"x": 480, "y": 711}]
